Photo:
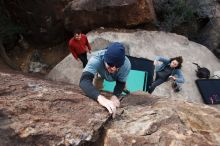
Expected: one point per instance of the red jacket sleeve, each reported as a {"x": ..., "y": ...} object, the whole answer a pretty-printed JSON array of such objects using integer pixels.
[{"x": 72, "y": 50}]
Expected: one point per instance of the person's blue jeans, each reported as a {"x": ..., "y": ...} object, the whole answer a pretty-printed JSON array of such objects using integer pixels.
[{"x": 156, "y": 83}]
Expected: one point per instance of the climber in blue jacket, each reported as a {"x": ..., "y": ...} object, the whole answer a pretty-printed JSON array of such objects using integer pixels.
[{"x": 111, "y": 64}]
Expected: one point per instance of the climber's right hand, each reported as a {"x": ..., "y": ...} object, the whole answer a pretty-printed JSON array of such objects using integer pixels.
[{"x": 107, "y": 104}]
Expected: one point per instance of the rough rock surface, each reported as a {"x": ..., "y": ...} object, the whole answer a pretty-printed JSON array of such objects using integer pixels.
[
  {"x": 68, "y": 70},
  {"x": 48, "y": 22},
  {"x": 149, "y": 44},
  {"x": 116, "y": 13},
  {"x": 153, "y": 121},
  {"x": 205, "y": 31},
  {"x": 36, "y": 112},
  {"x": 210, "y": 36}
]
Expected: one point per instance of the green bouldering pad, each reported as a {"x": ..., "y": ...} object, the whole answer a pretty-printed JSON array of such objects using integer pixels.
[{"x": 137, "y": 81}]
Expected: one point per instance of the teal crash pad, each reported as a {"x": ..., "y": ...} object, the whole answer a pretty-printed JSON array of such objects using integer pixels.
[{"x": 135, "y": 82}]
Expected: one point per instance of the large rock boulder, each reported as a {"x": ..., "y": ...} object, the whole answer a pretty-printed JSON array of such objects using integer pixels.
[
  {"x": 68, "y": 70},
  {"x": 116, "y": 13},
  {"x": 149, "y": 44},
  {"x": 48, "y": 22},
  {"x": 36, "y": 112},
  {"x": 154, "y": 121}
]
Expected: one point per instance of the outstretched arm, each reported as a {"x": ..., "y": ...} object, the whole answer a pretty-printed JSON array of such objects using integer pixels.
[
  {"x": 162, "y": 59},
  {"x": 178, "y": 77},
  {"x": 87, "y": 86}
]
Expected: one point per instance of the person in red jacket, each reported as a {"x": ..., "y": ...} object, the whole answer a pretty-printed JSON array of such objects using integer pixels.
[{"x": 79, "y": 46}]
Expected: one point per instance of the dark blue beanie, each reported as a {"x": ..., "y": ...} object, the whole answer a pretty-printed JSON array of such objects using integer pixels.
[{"x": 115, "y": 54}]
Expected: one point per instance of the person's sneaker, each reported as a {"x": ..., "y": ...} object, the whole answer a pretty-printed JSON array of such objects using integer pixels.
[
  {"x": 126, "y": 91},
  {"x": 177, "y": 90},
  {"x": 174, "y": 85}
]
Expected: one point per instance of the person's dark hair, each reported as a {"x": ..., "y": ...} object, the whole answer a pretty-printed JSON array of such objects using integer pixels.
[
  {"x": 179, "y": 59},
  {"x": 76, "y": 31}
]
